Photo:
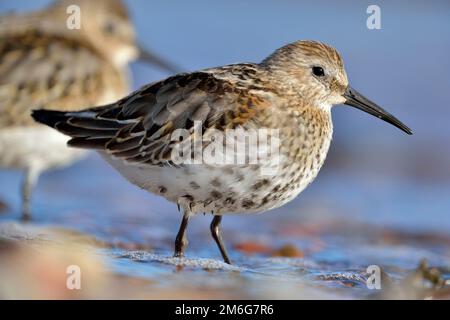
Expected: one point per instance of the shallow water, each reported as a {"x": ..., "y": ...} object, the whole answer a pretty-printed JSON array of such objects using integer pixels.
[
  {"x": 381, "y": 199},
  {"x": 334, "y": 236}
]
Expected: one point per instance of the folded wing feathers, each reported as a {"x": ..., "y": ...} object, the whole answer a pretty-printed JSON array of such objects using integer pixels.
[{"x": 139, "y": 127}]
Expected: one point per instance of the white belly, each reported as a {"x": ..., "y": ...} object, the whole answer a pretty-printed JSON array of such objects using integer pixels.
[
  {"x": 37, "y": 147},
  {"x": 221, "y": 190}
]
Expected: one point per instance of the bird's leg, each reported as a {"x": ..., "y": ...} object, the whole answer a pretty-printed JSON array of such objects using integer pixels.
[
  {"x": 215, "y": 232},
  {"x": 27, "y": 187},
  {"x": 181, "y": 240},
  {"x": 3, "y": 206}
]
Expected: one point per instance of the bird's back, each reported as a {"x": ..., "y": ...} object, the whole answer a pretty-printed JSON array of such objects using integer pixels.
[{"x": 41, "y": 69}]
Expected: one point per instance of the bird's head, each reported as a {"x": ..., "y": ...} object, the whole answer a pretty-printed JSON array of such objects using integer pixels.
[
  {"x": 107, "y": 26},
  {"x": 315, "y": 72}
]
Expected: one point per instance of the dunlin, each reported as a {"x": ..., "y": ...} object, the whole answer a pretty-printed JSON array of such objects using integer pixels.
[
  {"x": 290, "y": 93},
  {"x": 44, "y": 63}
]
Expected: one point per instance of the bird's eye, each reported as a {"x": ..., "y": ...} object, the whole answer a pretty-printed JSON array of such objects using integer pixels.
[
  {"x": 110, "y": 27},
  {"x": 318, "y": 71}
]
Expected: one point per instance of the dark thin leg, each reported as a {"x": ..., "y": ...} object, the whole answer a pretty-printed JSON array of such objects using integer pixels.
[
  {"x": 3, "y": 206},
  {"x": 215, "y": 232},
  {"x": 181, "y": 240},
  {"x": 27, "y": 187}
]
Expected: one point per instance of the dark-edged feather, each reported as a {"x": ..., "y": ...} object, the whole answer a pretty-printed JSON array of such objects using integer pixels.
[{"x": 139, "y": 128}]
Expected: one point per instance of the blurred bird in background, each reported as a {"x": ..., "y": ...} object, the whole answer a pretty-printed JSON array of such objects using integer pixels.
[{"x": 46, "y": 64}]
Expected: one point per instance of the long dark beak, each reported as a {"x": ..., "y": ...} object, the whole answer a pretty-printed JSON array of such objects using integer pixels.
[
  {"x": 149, "y": 57},
  {"x": 357, "y": 100}
]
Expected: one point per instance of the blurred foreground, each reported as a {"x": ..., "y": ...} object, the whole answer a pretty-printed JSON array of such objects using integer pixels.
[
  {"x": 36, "y": 264},
  {"x": 122, "y": 240}
]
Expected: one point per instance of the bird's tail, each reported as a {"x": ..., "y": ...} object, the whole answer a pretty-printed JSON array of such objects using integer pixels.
[{"x": 90, "y": 129}]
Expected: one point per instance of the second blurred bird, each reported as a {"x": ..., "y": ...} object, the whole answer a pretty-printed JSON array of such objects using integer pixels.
[{"x": 46, "y": 64}]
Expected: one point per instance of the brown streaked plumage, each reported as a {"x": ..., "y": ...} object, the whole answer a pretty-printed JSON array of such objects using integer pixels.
[
  {"x": 54, "y": 72},
  {"x": 291, "y": 93},
  {"x": 44, "y": 64}
]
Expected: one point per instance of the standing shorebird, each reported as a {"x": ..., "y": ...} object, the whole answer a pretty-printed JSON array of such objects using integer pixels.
[
  {"x": 44, "y": 64},
  {"x": 290, "y": 93}
]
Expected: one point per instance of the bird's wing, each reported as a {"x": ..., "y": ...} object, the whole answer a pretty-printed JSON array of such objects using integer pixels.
[
  {"x": 39, "y": 70},
  {"x": 139, "y": 127}
]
